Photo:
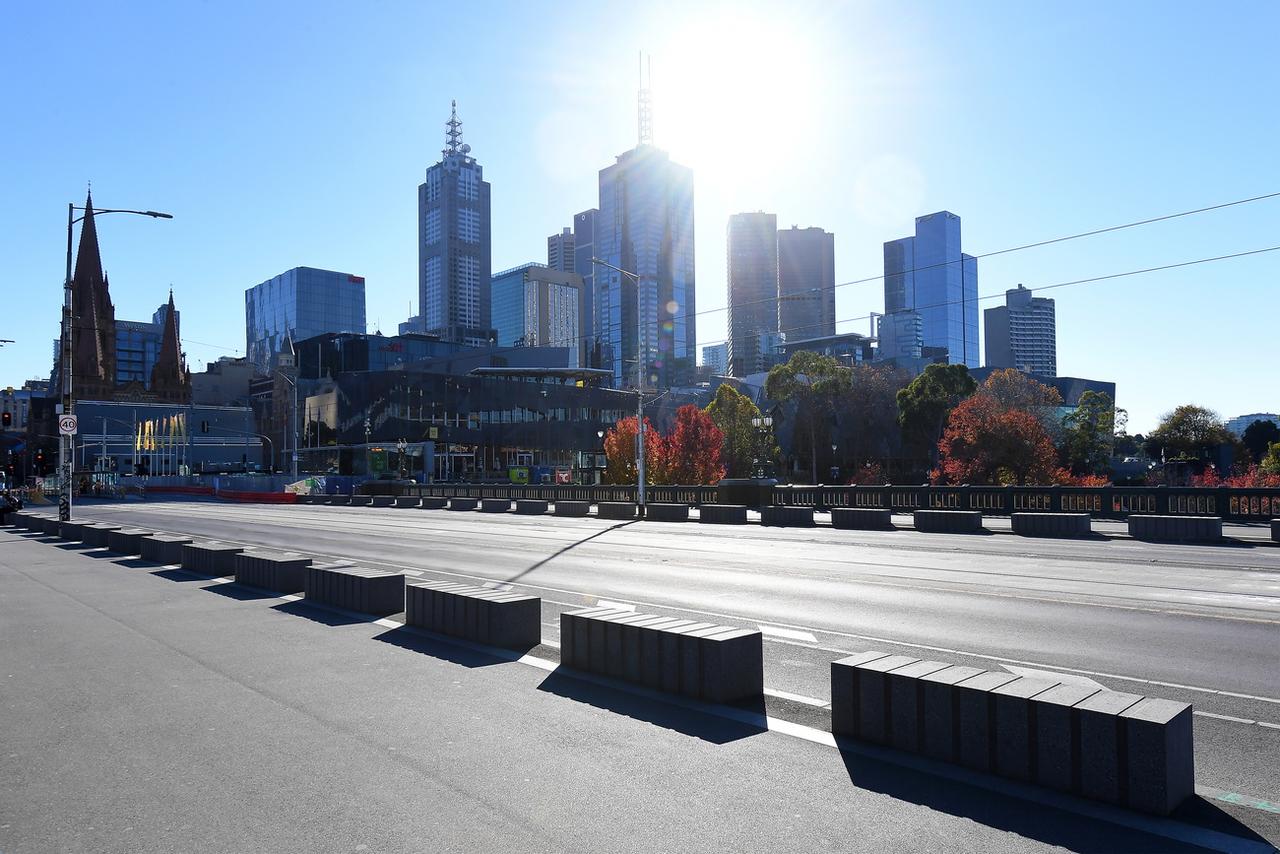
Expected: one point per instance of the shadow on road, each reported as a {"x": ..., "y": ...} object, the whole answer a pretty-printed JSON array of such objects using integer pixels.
[
  {"x": 104, "y": 555},
  {"x": 133, "y": 562},
  {"x": 231, "y": 591},
  {"x": 415, "y": 641},
  {"x": 546, "y": 560},
  {"x": 318, "y": 615},
  {"x": 708, "y": 727},
  {"x": 74, "y": 547}
]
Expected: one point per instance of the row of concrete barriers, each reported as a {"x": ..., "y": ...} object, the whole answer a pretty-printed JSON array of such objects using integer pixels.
[
  {"x": 1030, "y": 524},
  {"x": 1106, "y": 745}
]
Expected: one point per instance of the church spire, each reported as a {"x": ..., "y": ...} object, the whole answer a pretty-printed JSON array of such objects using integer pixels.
[
  {"x": 93, "y": 316},
  {"x": 170, "y": 379}
]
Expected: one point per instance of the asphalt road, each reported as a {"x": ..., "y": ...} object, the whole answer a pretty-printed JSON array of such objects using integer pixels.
[{"x": 1203, "y": 620}]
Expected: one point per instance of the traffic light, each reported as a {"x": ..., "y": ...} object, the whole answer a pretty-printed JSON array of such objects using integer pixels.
[{"x": 7, "y": 419}]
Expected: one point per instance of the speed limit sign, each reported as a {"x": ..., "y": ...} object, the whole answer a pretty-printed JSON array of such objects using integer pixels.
[{"x": 67, "y": 425}]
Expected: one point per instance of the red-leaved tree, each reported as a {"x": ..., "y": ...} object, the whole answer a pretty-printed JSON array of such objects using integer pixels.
[
  {"x": 620, "y": 452},
  {"x": 692, "y": 451},
  {"x": 986, "y": 442}
]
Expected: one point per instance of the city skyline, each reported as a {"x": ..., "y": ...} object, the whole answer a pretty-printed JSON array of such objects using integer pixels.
[{"x": 265, "y": 213}]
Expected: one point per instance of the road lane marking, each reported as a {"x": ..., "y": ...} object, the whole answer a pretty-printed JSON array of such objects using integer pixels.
[
  {"x": 791, "y": 634},
  {"x": 797, "y": 698},
  {"x": 1231, "y": 718},
  {"x": 617, "y": 606}
]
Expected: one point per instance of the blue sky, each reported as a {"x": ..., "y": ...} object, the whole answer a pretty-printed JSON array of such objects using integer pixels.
[{"x": 287, "y": 134}]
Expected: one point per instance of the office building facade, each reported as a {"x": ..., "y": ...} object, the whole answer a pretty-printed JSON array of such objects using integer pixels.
[
  {"x": 806, "y": 283},
  {"x": 297, "y": 304},
  {"x": 1022, "y": 334},
  {"x": 454, "y": 246},
  {"x": 753, "y": 289},
  {"x": 536, "y": 306},
  {"x": 929, "y": 274},
  {"x": 715, "y": 357},
  {"x": 560, "y": 251},
  {"x": 644, "y": 225}
]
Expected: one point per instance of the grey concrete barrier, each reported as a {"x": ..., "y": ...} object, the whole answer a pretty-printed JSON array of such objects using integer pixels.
[
  {"x": 948, "y": 521},
  {"x": 164, "y": 548},
  {"x": 463, "y": 503},
  {"x": 210, "y": 557},
  {"x": 1120, "y": 748},
  {"x": 1176, "y": 529},
  {"x": 531, "y": 506},
  {"x": 23, "y": 519},
  {"x": 862, "y": 518},
  {"x": 303, "y": 499},
  {"x": 340, "y": 500},
  {"x": 126, "y": 541},
  {"x": 1275, "y": 530},
  {"x": 71, "y": 531},
  {"x": 479, "y": 614},
  {"x": 572, "y": 508},
  {"x": 361, "y": 500},
  {"x": 48, "y": 525},
  {"x": 408, "y": 501},
  {"x": 723, "y": 514},
  {"x": 718, "y": 664},
  {"x": 616, "y": 510},
  {"x": 787, "y": 517},
  {"x": 1052, "y": 524},
  {"x": 434, "y": 502},
  {"x": 322, "y": 499},
  {"x": 664, "y": 512},
  {"x": 355, "y": 588},
  {"x": 95, "y": 533},
  {"x": 276, "y": 571},
  {"x": 381, "y": 500},
  {"x": 495, "y": 505}
]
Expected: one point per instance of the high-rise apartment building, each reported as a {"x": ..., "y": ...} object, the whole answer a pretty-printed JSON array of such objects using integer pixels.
[
  {"x": 806, "y": 283},
  {"x": 929, "y": 275},
  {"x": 753, "y": 289},
  {"x": 560, "y": 254},
  {"x": 536, "y": 306},
  {"x": 454, "y": 246},
  {"x": 714, "y": 358},
  {"x": 297, "y": 304},
  {"x": 645, "y": 226},
  {"x": 1022, "y": 333}
]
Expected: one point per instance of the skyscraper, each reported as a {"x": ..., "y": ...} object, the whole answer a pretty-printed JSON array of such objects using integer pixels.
[
  {"x": 560, "y": 254},
  {"x": 806, "y": 283},
  {"x": 1022, "y": 333},
  {"x": 296, "y": 305},
  {"x": 645, "y": 226},
  {"x": 536, "y": 306},
  {"x": 714, "y": 357},
  {"x": 753, "y": 289},
  {"x": 929, "y": 275},
  {"x": 454, "y": 246},
  {"x": 584, "y": 247}
]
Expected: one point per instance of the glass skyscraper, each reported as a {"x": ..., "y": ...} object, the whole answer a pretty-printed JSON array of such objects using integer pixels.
[
  {"x": 645, "y": 226},
  {"x": 536, "y": 306},
  {"x": 806, "y": 283},
  {"x": 297, "y": 304},
  {"x": 928, "y": 275},
  {"x": 753, "y": 290}
]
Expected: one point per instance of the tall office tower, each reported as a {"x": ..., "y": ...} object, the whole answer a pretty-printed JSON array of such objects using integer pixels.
[
  {"x": 753, "y": 289},
  {"x": 928, "y": 274},
  {"x": 537, "y": 306},
  {"x": 584, "y": 247},
  {"x": 296, "y": 305},
  {"x": 806, "y": 283},
  {"x": 560, "y": 253},
  {"x": 453, "y": 246},
  {"x": 714, "y": 358},
  {"x": 645, "y": 226},
  {"x": 1022, "y": 333}
]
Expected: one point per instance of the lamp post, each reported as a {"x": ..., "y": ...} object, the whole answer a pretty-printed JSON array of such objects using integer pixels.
[
  {"x": 595, "y": 469},
  {"x": 66, "y": 448},
  {"x": 293, "y": 384},
  {"x": 635, "y": 277},
  {"x": 368, "y": 459},
  {"x": 763, "y": 425},
  {"x": 401, "y": 444}
]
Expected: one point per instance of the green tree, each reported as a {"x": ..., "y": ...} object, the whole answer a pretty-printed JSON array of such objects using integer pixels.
[
  {"x": 1271, "y": 461},
  {"x": 1088, "y": 439},
  {"x": 1259, "y": 436},
  {"x": 924, "y": 404},
  {"x": 867, "y": 416},
  {"x": 744, "y": 443},
  {"x": 813, "y": 384},
  {"x": 1188, "y": 431}
]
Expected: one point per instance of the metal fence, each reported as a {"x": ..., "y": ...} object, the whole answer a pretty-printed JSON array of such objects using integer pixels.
[{"x": 1115, "y": 502}]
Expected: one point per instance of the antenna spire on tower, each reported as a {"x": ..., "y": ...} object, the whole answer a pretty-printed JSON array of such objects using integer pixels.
[
  {"x": 645, "y": 102},
  {"x": 453, "y": 136}
]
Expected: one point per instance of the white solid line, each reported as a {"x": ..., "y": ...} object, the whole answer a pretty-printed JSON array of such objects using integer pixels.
[
  {"x": 412, "y": 571},
  {"x": 617, "y": 606},
  {"x": 798, "y": 698},
  {"x": 1224, "y": 717},
  {"x": 1268, "y": 725},
  {"x": 793, "y": 634}
]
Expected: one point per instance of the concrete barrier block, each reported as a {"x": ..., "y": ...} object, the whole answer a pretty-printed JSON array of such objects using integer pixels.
[
  {"x": 948, "y": 521},
  {"x": 977, "y": 718},
  {"x": 787, "y": 517},
  {"x": 321, "y": 499},
  {"x": 95, "y": 533},
  {"x": 575, "y": 644},
  {"x": 732, "y": 662},
  {"x": 463, "y": 503},
  {"x": 340, "y": 500},
  {"x": 845, "y": 699},
  {"x": 1015, "y": 729},
  {"x": 941, "y": 713},
  {"x": 434, "y": 502},
  {"x": 1275, "y": 530},
  {"x": 210, "y": 557},
  {"x": 906, "y": 703},
  {"x": 48, "y": 525},
  {"x": 616, "y": 510},
  {"x": 531, "y": 506},
  {"x": 1101, "y": 775},
  {"x": 861, "y": 518},
  {"x": 1178, "y": 529},
  {"x": 275, "y": 571},
  {"x": 71, "y": 531},
  {"x": 302, "y": 499},
  {"x": 126, "y": 541},
  {"x": 163, "y": 548},
  {"x": 873, "y": 696},
  {"x": 479, "y": 614},
  {"x": 572, "y": 508},
  {"x": 652, "y": 665},
  {"x": 495, "y": 505},
  {"x": 1052, "y": 524},
  {"x": 1056, "y": 735},
  {"x": 1159, "y": 756},
  {"x": 664, "y": 512},
  {"x": 355, "y": 588},
  {"x": 407, "y": 501},
  {"x": 381, "y": 500},
  {"x": 723, "y": 514},
  {"x": 361, "y": 501}
]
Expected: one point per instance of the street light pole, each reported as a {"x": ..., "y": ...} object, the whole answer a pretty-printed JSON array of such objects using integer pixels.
[
  {"x": 635, "y": 277},
  {"x": 66, "y": 447}
]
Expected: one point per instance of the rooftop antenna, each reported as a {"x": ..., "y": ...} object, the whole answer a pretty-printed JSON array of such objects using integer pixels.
[
  {"x": 645, "y": 101},
  {"x": 453, "y": 136}
]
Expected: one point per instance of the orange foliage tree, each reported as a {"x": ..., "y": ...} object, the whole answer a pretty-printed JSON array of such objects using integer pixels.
[
  {"x": 620, "y": 452},
  {"x": 987, "y": 442},
  {"x": 692, "y": 451}
]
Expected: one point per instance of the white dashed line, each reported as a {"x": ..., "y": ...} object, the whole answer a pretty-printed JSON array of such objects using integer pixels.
[{"x": 793, "y": 634}]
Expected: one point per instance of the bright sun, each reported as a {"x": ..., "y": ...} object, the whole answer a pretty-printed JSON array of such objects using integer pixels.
[{"x": 730, "y": 94}]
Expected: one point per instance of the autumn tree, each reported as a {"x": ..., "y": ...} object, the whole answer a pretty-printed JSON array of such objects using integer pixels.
[
  {"x": 1188, "y": 431},
  {"x": 813, "y": 384},
  {"x": 744, "y": 443},
  {"x": 924, "y": 404},
  {"x": 987, "y": 442},
  {"x": 691, "y": 453},
  {"x": 620, "y": 452}
]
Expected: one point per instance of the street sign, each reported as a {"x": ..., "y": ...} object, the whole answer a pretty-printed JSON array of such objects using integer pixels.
[{"x": 67, "y": 425}]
